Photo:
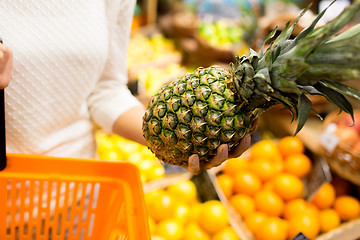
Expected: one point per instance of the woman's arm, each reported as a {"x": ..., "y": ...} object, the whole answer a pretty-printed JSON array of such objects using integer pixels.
[{"x": 129, "y": 124}]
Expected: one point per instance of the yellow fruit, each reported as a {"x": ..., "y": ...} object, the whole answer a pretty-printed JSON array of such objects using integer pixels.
[
  {"x": 243, "y": 204},
  {"x": 194, "y": 232},
  {"x": 170, "y": 229},
  {"x": 263, "y": 168},
  {"x": 253, "y": 220},
  {"x": 162, "y": 206},
  {"x": 150, "y": 195},
  {"x": 195, "y": 210},
  {"x": 264, "y": 149},
  {"x": 246, "y": 182},
  {"x": 182, "y": 212},
  {"x": 273, "y": 228},
  {"x": 290, "y": 145},
  {"x": 329, "y": 219},
  {"x": 226, "y": 184},
  {"x": 288, "y": 186},
  {"x": 137, "y": 158},
  {"x": 306, "y": 223},
  {"x": 235, "y": 165},
  {"x": 213, "y": 216},
  {"x": 324, "y": 197},
  {"x": 227, "y": 233},
  {"x": 347, "y": 207},
  {"x": 184, "y": 191},
  {"x": 269, "y": 203},
  {"x": 298, "y": 164},
  {"x": 155, "y": 172}
]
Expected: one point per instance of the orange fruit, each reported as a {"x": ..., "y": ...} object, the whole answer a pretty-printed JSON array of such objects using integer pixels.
[
  {"x": 279, "y": 164},
  {"x": 312, "y": 209},
  {"x": 290, "y": 145},
  {"x": 297, "y": 164},
  {"x": 213, "y": 216},
  {"x": 329, "y": 219},
  {"x": 347, "y": 207},
  {"x": 269, "y": 185},
  {"x": 226, "y": 184},
  {"x": 170, "y": 229},
  {"x": 227, "y": 233},
  {"x": 269, "y": 203},
  {"x": 235, "y": 165},
  {"x": 183, "y": 191},
  {"x": 264, "y": 149},
  {"x": 162, "y": 206},
  {"x": 263, "y": 168},
  {"x": 272, "y": 228},
  {"x": 243, "y": 204},
  {"x": 288, "y": 186},
  {"x": 253, "y": 220},
  {"x": 306, "y": 223},
  {"x": 246, "y": 182},
  {"x": 194, "y": 232},
  {"x": 324, "y": 197},
  {"x": 294, "y": 207}
]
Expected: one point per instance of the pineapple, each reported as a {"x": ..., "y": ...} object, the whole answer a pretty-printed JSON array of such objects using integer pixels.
[{"x": 198, "y": 112}]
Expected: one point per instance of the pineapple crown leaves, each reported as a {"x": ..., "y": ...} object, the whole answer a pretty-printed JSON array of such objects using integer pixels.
[{"x": 314, "y": 63}]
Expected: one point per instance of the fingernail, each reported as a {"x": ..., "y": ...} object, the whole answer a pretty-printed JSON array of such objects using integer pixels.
[{"x": 224, "y": 151}]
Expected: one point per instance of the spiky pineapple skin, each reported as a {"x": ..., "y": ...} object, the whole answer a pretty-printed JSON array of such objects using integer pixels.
[{"x": 194, "y": 115}]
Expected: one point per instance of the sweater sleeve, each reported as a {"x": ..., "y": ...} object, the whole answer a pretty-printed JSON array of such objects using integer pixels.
[{"x": 111, "y": 96}]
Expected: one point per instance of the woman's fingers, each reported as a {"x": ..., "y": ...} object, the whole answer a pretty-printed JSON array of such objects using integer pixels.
[
  {"x": 194, "y": 164},
  {"x": 242, "y": 147},
  {"x": 6, "y": 65},
  {"x": 221, "y": 156}
]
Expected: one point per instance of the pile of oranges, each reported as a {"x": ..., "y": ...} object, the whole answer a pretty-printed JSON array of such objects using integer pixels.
[
  {"x": 175, "y": 213},
  {"x": 266, "y": 189}
]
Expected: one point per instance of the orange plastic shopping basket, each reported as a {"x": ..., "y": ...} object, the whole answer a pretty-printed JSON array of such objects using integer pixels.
[{"x": 43, "y": 198}]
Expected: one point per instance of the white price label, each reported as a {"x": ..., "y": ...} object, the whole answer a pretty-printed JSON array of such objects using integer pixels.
[{"x": 328, "y": 139}]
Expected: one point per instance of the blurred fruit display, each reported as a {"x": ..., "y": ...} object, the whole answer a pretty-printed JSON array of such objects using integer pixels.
[
  {"x": 176, "y": 213},
  {"x": 152, "y": 79},
  {"x": 340, "y": 141},
  {"x": 114, "y": 147},
  {"x": 267, "y": 188},
  {"x": 146, "y": 48},
  {"x": 225, "y": 35},
  {"x": 152, "y": 60}
]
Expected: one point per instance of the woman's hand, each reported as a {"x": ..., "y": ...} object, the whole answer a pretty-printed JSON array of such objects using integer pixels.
[
  {"x": 6, "y": 65},
  {"x": 195, "y": 167}
]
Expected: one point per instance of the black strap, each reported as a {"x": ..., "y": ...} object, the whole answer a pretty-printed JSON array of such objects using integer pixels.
[{"x": 2, "y": 129}]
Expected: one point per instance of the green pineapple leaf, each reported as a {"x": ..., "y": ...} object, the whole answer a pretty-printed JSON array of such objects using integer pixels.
[
  {"x": 347, "y": 90},
  {"x": 335, "y": 97},
  {"x": 305, "y": 107}
]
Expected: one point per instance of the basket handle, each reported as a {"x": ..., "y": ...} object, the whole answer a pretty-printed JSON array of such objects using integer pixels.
[{"x": 2, "y": 128}]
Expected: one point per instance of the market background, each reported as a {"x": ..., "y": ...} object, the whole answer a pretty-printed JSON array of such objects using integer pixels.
[{"x": 172, "y": 37}]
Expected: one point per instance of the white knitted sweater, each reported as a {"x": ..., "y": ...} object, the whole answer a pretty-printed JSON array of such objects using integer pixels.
[{"x": 69, "y": 72}]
